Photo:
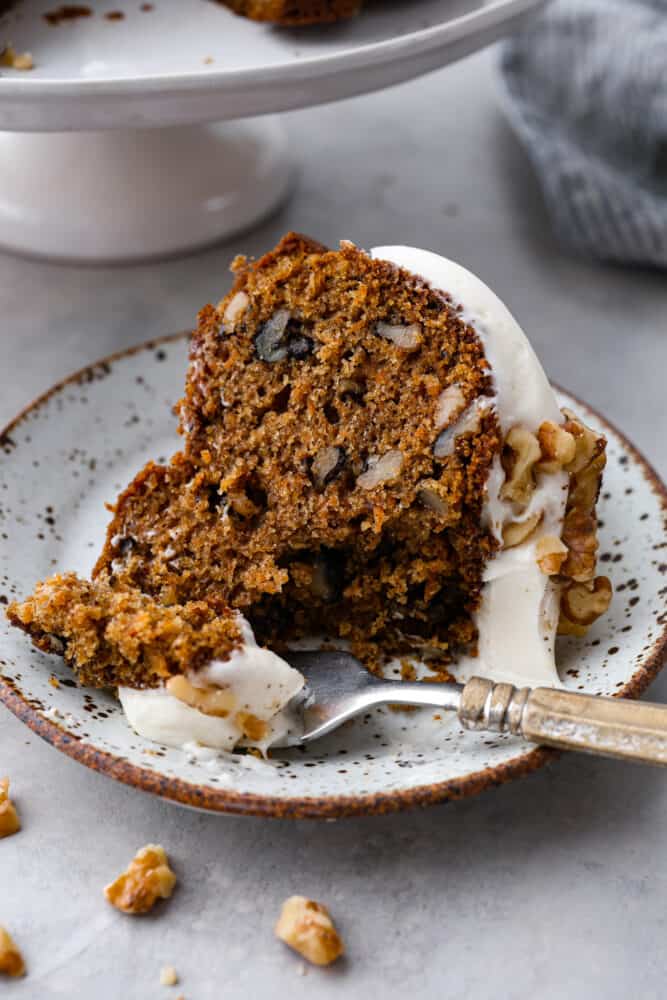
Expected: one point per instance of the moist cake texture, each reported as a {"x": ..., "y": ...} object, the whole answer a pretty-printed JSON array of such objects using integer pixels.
[
  {"x": 361, "y": 460},
  {"x": 115, "y": 636}
]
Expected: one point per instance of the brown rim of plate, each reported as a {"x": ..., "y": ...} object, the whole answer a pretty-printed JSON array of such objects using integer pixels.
[{"x": 302, "y": 807}]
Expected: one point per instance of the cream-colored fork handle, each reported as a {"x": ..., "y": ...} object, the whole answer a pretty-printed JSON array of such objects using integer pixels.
[{"x": 610, "y": 727}]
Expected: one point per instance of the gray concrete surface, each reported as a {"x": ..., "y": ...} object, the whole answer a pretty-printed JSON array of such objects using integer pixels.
[{"x": 555, "y": 886}]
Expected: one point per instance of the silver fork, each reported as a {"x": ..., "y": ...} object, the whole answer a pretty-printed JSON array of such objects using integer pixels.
[{"x": 338, "y": 688}]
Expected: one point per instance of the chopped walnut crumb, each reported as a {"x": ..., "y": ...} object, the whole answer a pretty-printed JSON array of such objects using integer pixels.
[
  {"x": 251, "y": 726},
  {"x": 234, "y": 309},
  {"x": 517, "y": 532},
  {"x": 147, "y": 879},
  {"x": 584, "y": 597},
  {"x": 215, "y": 701},
  {"x": 579, "y": 451},
  {"x": 582, "y": 603},
  {"x": 307, "y": 928},
  {"x": 431, "y": 498},
  {"x": 381, "y": 469},
  {"x": 168, "y": 976},
  {"x": 557, "y": 445},
  {"x": 409, "y": 337},
  {"x": 449, "y": 403},
  {"x": 11, "y": 959},
  {"x": 580, "y": 536},
  {"x": 588, "y": 444},
  {"x": 9, "y": 819},
  {"x": 551, "y": 553}
]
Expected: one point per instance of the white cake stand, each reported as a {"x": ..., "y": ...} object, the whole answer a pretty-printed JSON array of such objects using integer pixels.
[{"x": 137, "y": 136}]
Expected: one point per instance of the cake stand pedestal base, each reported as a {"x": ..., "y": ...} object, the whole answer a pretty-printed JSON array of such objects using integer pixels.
[{"x": 123, "y": 195}]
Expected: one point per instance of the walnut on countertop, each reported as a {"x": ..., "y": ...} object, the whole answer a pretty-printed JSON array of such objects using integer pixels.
[
  {"x": 307, "y": 927},
  {"x": 9, "y": 819},
  {"x": 11, "y": 959},
  {"x": 147, "y": 879}
]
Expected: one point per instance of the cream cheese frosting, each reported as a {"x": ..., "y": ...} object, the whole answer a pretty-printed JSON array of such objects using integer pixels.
[
  {"x": 260, "y": 682},
  {"x": 518, "y": 614}
]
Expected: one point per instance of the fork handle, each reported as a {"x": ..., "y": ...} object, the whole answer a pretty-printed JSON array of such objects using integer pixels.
[{"x": 608, "y": 727}]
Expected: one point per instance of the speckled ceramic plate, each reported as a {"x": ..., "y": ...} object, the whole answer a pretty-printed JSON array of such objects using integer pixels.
[{"x": 78, "y": 445}]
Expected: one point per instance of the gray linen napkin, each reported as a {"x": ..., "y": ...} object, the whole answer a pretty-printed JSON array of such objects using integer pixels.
[{"x": 587, "y": 94}]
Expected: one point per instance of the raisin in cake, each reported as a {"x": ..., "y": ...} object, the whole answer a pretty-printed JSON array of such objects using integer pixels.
[
  {"x": 371, "y": 452},
  {"x": 295, "y": 12}
]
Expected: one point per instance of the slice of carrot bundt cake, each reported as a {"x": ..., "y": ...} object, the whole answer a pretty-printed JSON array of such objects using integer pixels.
[{"x": 371, "y": 452}]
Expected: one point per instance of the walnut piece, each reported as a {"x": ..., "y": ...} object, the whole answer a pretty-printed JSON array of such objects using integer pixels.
[
  {"x": 11, "y": 959},
  {"x": 582, "y": 603},
  {"x": 252, "y": 727},
  {"x": 517, "y": 532},
  {"x": 576, "y": 449},
  {"x": 585, "y": 484},
  {"x": 551, "y": 553},
  {"x": 147, "y": 879},
  {"x": 381, "y": 469},
  {"x": 327, "y": 465},
  {"x": 307, "y": 928},
  {"x": 215, "y": 701},
  {"x": 234, "y": 309},
  {"x": 449, "y": 403},
  {"x": 521, "y": 453},
  {"x": 407, "y": 337},
  {"x": 588, "y": 444},
  {"x": 557, "y": 445},
  {"x": 281, "y": 337},
  {"x": 168, "y": 976},
  {"x": 431, "y": 498},
  {"x": 15, "y": 60},
  {"x": 9, "y": 819},
  {"x": 580, "y": 536}
]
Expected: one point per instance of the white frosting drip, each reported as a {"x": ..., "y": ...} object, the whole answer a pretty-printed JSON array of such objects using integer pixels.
[
  {"x": 262, "y": 683},
  {"x": 518, "y": 615}
]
